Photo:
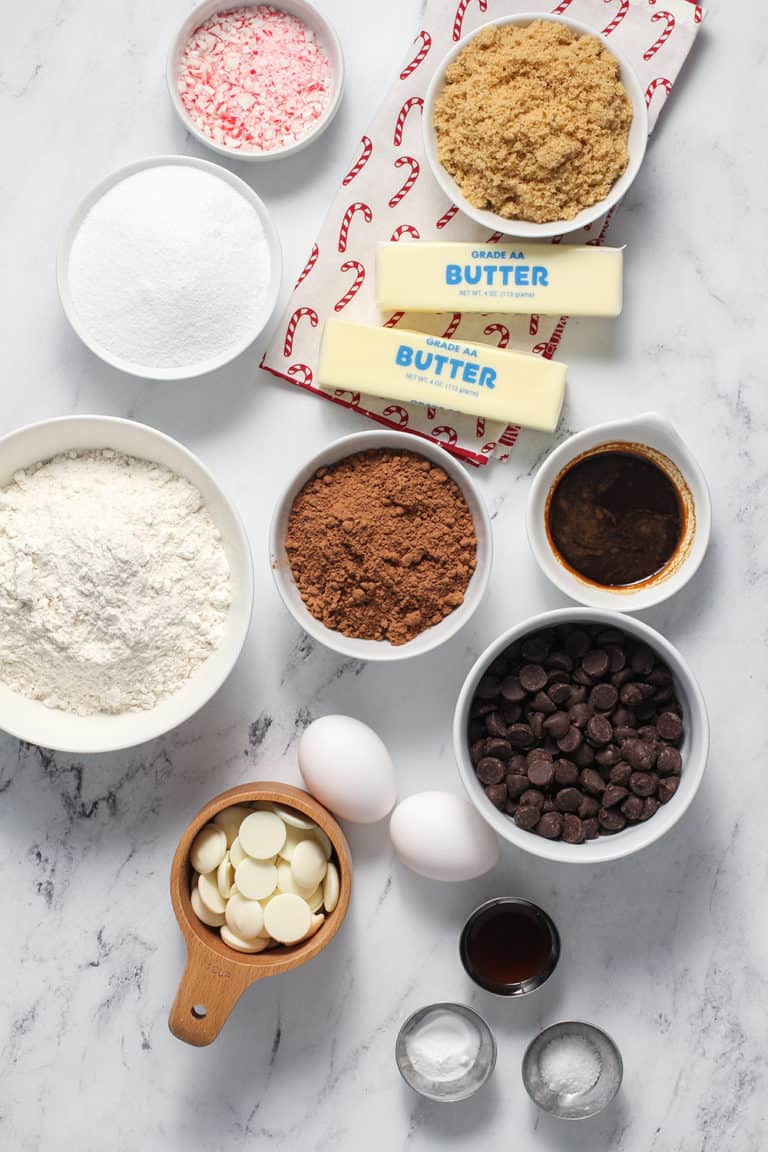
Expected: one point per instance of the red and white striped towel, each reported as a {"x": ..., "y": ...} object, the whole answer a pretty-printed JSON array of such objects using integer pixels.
[{"x": 390, "y": 194}]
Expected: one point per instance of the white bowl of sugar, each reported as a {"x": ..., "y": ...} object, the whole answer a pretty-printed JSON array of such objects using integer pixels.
[
  {"x": 170, "y": 268},
  {"x": 144, "y": 604}
]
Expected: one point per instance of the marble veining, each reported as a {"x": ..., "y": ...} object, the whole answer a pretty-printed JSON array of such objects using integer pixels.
[{"x": 667, "y": 951}]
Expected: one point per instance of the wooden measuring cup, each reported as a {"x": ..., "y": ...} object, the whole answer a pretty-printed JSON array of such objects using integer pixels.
[{"x": 216, "y": 976}]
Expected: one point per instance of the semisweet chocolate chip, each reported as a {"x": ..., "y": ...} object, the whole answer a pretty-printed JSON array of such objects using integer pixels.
[
  {"x": 632, "y": 808},
  {"x": 566, "y": 774},
  {"x": 611, "y": 820},
  {"x": 648, "y": 732},
  {"x": 577, "y": 643},
  {"x": 663, "y": 695},
  {"x": 599, "y": 730},
  {"x": 516, "y": 785},
  {"x": 630, "y": 695},
  {"x": 650, "y": 807},
  {"x": 620, "y": 773},
  {"x": 609, "y": 636},
  {"x": 639, "y": 753},
  {"x": 591, "y": 828},
  {"x": 618, "y": 679},
  {"x": 613, "y": 795},
  {"x": 542, "y": 703},
  {"x": 573, "y": 829},
  {"x": 516, "y": 763},
  {"x": 541, "y": 773},
  {"x": 535, "y": 648},
  {"x": 669, "y": 726},
  {"x": 527, "y": 818},
  {"x": 669, "y": 762},
  {"x": 520, "y": 735},
  {"x": 643, "y": 783},
  {"x": 595, "y": 663},
  {"x": 494, "y": 746},
  {"x": 588, "y": 807},
  {"x": 592, "y": 782},
  {"x": 494, "y": 725},
  {"x": 623, "y": 732},
  {"x": 532, "y": 798},
  {"x": 641, "y": 661},
  {"x": 570, "y": 742},
  {"x": 548, "y": 805},
  {"x": 616, "y": 657},
  {"x": 490, "y": 770},
  {"x": 580, "y": 715},
  {"x": 568, "y": 800},
  {"x": 603, "y": 697},
  {"x": 532, "y": 677},
  {"x": 512, "y": 690},
  {"x": 497, "y": 794},
  {"x": 510, "y": 712},
  {"x": 488, "y": 688},
  {"x": 578, "y": 694},
  {"x": 511, "y": 807},
  {"x": 584, "y": 756},
  {"x": 550, "y": 826},
  {"x": 580, "y": 676},
  {"x": 623, "y": 717},
  {"x": 481, "y": 708},
  {"x": 537, "y": 754},
  {"x": 560, "y": 694},
  {"x": 608, "y": 756},
  {"x": 560, "y": 660},
  {"x": 557, "y": 725},
  {"x": 536, "y": 724},
  {"x": 660, "y": 675},
  {"x": 667, "y": 788},
  {"x": 556, "y": 676}
]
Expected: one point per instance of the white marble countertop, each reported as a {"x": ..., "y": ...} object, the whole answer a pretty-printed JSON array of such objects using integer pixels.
[{"x": 668, "y": 951}]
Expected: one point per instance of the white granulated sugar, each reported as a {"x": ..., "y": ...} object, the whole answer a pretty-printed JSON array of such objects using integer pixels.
[
  {"x": 170, "y": 269},
  {"x": 570, "y": 1065},
  {"x": 114, "y": 584}
]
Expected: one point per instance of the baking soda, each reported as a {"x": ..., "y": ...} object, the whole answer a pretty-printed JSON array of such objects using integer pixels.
[
  {"x": 254, "y": 79},
  {"x": 443, "y": 1047},
  {"x": 170, "y": 270}
]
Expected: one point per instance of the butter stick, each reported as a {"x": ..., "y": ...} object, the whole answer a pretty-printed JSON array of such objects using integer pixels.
[
  {"x": 476, "y": 379},
  {"x": 516, "y": 277}
]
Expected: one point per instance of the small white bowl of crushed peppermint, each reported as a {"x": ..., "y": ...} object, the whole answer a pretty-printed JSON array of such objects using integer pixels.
[
  {"x": 126, "y": 584},
  {"x": 255, "y": 81}
]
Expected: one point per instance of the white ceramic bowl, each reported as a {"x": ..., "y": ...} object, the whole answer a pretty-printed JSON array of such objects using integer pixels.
[
  {"x": 380, "y": 649},
  {"x": 633, "y": 838},
  {"x": 32, "y": 721},
  {"x": 185, "y": 372},
  {"x": 638, "y": 136},
  {"x": 326, "y": 38},
  {"x": 669, "y": 451}
]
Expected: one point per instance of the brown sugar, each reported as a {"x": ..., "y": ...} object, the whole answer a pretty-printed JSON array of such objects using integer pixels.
[
  {"x": 382, "y": 545},
  {"x": 532, "y": 122}
]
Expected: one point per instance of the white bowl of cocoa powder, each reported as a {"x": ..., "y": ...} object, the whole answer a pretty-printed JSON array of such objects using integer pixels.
[
  {"x": 395, "y": 560},
  {"x": 534, "y": 126}
]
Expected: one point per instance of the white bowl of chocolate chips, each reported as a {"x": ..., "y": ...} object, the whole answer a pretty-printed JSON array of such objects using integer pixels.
[{"x": 581, "y": 735}]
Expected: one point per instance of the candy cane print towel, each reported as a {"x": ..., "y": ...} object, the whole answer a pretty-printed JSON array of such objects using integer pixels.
[{"x": 388, "y": 193}]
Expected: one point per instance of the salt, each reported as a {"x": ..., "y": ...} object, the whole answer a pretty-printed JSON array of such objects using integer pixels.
[
  {"x": 443, "y": 1047},
  {"x": 170, "y": 269},
  {"x": 570, "y": 1065},
  {"x": 254, "y": 79}
]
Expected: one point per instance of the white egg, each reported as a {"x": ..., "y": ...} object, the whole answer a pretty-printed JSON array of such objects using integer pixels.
[
  {"x": 441, "y": 836},
  {"x": 347, "y": 767}
]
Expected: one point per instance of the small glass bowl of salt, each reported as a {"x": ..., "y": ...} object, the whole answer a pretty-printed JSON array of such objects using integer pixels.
[
  {"x": 572, "y": 1070},
  {"x": 445, "y": 1052}
]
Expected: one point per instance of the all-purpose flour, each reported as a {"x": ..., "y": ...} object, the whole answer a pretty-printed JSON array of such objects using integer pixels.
[
  {"x": 114, "y": 585},
  {"x": 170, "y": 269}
]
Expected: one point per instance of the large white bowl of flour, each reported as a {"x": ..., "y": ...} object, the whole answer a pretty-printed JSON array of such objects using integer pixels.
[{"x": 175, "y": 526}]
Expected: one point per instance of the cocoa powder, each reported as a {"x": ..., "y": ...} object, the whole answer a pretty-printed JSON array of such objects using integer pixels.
[{"x": 382, "y": 545}]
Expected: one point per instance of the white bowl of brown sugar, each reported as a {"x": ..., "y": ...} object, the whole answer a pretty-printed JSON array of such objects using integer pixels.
[
  {"x": 381, "y": 546},
  {"x": 534, "y": 126}
]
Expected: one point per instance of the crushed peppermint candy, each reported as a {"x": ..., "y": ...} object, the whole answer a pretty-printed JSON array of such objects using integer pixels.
[{"x": 254, "y": 79}]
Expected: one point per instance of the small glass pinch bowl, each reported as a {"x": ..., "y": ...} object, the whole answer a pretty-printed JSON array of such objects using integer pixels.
[
  {"x": 460, "y": 1087},
  {"x": 573, "y": 1106}
]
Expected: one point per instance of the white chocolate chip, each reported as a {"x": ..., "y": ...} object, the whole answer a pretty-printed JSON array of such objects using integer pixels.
[
  {"x": 287, "y": 918},
  {"x": 208, "y": 849},
  {"x": 208, "y": 888},
  {"x": 331, "y": 888},
  {"x": 236, "y": 853},
  {"x": 256, "y": 879},
  {"x": 258, "y": 944},
  {"x": 315, "y": 899},
  {"x": 294, "y": 819},
  {"x": 294, "y": 837},
  {"x": 314, "y": 924},
  {"x": 325, "y": 843},
  {"x": 225, "y": 877},
  {"x": 230, "y": 820},
  {"x": 308, "y": 864},
  {"x": 212, "y": 919},
  {"x": 244, "y": 917},
  {"x": 286, "y": 882},
  {"x": 262, "y": 835}
]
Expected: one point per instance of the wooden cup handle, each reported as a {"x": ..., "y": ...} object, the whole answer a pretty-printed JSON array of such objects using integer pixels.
[{"x": 209, "y": 989}]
